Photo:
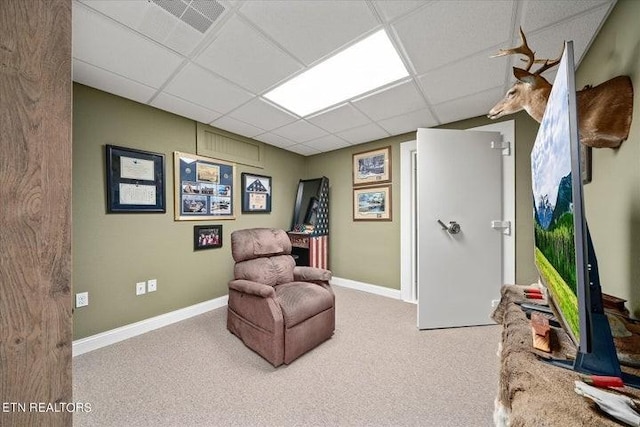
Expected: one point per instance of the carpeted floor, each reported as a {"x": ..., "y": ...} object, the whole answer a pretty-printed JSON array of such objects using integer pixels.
[{"x": 377, "y": 370}]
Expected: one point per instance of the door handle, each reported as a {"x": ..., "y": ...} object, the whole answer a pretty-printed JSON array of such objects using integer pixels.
[{"x": 452, "y": 228}]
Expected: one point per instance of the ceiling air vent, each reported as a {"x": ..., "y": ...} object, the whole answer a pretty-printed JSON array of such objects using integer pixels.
[{"x": 199, "y": 14}]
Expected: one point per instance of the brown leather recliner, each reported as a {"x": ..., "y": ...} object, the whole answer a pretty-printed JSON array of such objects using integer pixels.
[{"x": 276, "y": 308}]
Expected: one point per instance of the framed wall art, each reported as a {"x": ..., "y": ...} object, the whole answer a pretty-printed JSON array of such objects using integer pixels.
[
  {"x": 207, "y": 237},
  {"x": 372, "y": 167},
  {"x": 204, "y": 188},
  {"x": 372, "y": 203},
  {"x": 135, "y": 180},
  {"x": 256, "y": 193}
]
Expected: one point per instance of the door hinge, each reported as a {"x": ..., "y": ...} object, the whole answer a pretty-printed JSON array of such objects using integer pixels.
[
  {"x": 505, "y": 146},
  {"x": 504, "y": 225}
]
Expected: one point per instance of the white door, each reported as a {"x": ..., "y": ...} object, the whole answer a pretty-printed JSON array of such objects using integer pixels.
[{"x": 459, "y": 180}]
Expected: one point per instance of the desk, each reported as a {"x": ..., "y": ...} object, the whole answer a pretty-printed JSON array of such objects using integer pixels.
[{"x": 531, "y": 392}]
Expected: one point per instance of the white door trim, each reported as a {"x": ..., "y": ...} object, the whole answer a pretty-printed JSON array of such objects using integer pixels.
[
  {"x": 407, "y": 211},
  {"x": 408, "y": 280}
]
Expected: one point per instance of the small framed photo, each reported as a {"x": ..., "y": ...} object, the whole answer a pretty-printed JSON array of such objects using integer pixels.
[
  {"x": 135, "y": 180},
  {"x": 207, "y": 237},
  {"x": 256, "y": 193},
  {"x": 372, "y": 203},
  {"x": 372, "y": 167}
]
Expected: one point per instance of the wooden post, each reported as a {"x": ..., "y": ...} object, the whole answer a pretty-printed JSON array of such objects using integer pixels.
[{"x": 35, "y": 210}]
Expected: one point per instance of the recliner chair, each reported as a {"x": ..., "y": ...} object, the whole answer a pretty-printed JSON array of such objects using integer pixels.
[{"x": 276, "y": 308}]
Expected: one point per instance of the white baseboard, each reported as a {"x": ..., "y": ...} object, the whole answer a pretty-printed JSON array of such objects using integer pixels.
[
  {"x": 94, "y": 342},
  {"x": 366, "y": 287},
  {"x": 103, "y": 339}
]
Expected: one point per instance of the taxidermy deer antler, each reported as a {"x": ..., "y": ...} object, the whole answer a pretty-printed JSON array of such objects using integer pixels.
[{"x": 604, "y": 111}]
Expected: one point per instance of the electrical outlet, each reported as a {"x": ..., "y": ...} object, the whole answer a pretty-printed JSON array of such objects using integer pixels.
[
  {"x": 141, "y": 288},
  {"x": 82, "y": 299},
  {"x": 494, "y": 303},
  {"x": 152, "y": 285}
]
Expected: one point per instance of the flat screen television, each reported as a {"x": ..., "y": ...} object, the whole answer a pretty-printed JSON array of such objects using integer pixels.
[{"x": 564, "y": 253}]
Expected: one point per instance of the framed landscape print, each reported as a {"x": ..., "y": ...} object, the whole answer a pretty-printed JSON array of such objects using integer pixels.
[
  {"x": 204, "y": 188},
  {"x": 372, "y": 203},
  {"x": 372, "y": 167},
  {"x": 256, "y": 193},
  {"x": 135, "y": 180}
]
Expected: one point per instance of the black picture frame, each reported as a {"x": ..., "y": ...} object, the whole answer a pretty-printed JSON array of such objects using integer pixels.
[
  {"x": 135, "y": 180},
  {"x": 257, "y": 191},
  {"x": 207, "y": 237}
]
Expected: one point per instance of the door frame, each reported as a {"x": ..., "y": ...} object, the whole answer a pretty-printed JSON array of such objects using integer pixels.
[{"x": 408, "y": 204}]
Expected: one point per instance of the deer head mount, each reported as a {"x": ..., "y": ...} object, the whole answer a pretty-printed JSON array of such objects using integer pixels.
[{"x": 604, "y": 111}]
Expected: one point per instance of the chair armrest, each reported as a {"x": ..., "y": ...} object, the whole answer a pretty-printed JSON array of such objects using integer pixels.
[
  {"x": 253, "y": 288},
  {"x": 311, "y": 274}
]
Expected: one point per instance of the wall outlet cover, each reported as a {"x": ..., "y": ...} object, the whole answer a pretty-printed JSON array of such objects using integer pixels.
[
  {"x": 152, "y": 285},
  {"x": 141, "y": 288},
  {"x": 82, "y": 299}
]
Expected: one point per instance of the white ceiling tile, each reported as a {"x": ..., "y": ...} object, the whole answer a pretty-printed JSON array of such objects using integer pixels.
[
  {"x": 362, "y": 134},
  {"x": 183, "y": 38},
  {"x": 393, "y": 9},
  {"x": 206, "y": 89},
  {"x": 125, "y": 11},
  {"x": 454, "y": 81},
  {"x": 105, "y": 44},
  {"x": 399, "y": 99},
  {"x": 303, "y": 150},
  {"x": 409, "y": 122},
  {"x": 262, "y": 114},
  {"x": 301, "y": 26},
  {"x": 475, "y": 105},
  {"x": 445, "y": 31},
  {"x": 539, "y": 14},
  {"x": 157, "y": 22},
  {"x": 340, "y": 118},
  {"x": 327, "y": 143},
  {"x": 245, "y": 57},
  {"x": 300, "y": 131},
  {"x": 549, "y": 43},
  {"x": 184, "y": 108},
  {"x": 275, "y": 140},
  {"x": 236, "y": 126},
  {"x": 89, "y": 75},
  {"x": 152, "y": 21}
]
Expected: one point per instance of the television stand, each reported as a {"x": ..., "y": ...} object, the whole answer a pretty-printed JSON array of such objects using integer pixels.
[{"x": 532, "y": 392}]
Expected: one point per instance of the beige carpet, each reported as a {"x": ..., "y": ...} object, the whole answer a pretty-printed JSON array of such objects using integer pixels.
[{"x": 377, "y": 370}]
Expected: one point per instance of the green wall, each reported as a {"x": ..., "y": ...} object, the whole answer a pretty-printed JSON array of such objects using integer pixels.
[
  {"x": 612, "y": 199},
  {"x": 369, "y": 252},
  {"x": 364, "y": 251},
  {"x": 111, "y": 252}
]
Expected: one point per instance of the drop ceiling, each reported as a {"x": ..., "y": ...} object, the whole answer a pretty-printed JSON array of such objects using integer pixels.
[{"x": 213, "y": 60}]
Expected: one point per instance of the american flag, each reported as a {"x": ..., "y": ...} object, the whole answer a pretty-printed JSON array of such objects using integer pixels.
[{"x": 318, "y": 249}]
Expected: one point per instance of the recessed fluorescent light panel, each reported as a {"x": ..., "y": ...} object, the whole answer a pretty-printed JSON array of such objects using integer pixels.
[{"x": 367, "y": 65}]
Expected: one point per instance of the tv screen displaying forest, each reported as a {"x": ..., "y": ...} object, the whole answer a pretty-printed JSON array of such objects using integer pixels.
[{"x": 553, "y": 205}]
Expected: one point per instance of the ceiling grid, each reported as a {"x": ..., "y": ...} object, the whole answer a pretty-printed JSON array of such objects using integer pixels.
[{"x": 214, "y": 60}]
